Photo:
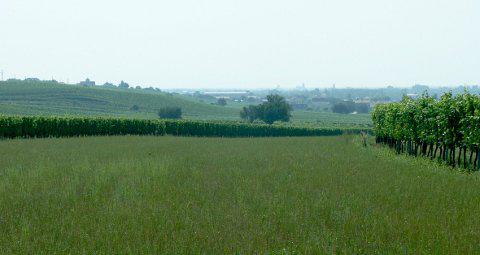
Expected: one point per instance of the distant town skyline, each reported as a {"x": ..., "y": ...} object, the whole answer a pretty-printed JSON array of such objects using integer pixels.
[{"x": 304, "y": 85}]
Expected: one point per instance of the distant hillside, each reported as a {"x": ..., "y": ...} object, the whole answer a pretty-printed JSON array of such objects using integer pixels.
[{"x": 48, "y": 98}]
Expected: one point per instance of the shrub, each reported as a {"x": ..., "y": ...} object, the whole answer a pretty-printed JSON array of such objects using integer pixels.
[
  {"x": 344, "y": 107},
  {"x": 222, "y": 101},
  {"x": 170, "y": 113}
]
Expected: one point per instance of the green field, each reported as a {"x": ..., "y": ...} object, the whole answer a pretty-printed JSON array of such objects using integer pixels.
[
  {"x": 46, "y": 98},
  {"x": 50, "y": 99},
  {"x": 330, "y": 119},
  {"x": 180, "y": 195}
]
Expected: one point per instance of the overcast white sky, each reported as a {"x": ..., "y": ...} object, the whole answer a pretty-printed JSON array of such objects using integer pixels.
[{"x": 244, "y": 43}]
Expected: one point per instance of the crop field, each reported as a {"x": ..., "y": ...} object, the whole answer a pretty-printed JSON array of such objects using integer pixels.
[
  {"x": 187, "y": 195},
  {"x": 426, "y": 126},
  {"x": 50, "y": 99}
]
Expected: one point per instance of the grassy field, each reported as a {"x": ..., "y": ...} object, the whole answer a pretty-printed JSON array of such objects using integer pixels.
[
  {"x": 47, "y": 99},
  {"x": 180, "y": 195},
  {"x": 330, "y": 119}
]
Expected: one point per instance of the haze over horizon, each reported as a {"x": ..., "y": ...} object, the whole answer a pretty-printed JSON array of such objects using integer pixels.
[{"x": 243, "y": 44}]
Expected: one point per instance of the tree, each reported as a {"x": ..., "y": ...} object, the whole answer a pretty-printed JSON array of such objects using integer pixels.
[
  {"x": 362, "y": 107},
  {"x": 349, "y": 106},
  {"x": 108, "y": 85},
  {"x": 275, "y": 109},
  {"x": 341, "y": 107},
  {"x": 249, "y": 113},
  {"x": 222, "y": 101},
  {"x": 170, "y": 113},
  {"x": 123, "y": 85},
  {"x": 87, "y": 83}
]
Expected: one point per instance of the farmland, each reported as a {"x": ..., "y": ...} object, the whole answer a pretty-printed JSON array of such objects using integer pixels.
[
  {"x": 427, "y": 126},
  {"x": 47, "y": 98},
  {"x": 180, "y": 195},
  {"x": 39, "y": 127},
  {"x": 51, "y": 99}
]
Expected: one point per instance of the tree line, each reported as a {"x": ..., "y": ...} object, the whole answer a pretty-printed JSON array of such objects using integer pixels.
[{"x": 447, "y": 129}]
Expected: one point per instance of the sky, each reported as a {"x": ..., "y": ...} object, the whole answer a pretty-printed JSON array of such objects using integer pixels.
[{"x": 244, "y": 43}]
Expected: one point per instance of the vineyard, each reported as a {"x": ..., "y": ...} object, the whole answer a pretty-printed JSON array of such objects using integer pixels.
[
  {"x": 447, "y": 129},
  {"x": 12, "y": 127},
  {"x": 52, "y": 99}
]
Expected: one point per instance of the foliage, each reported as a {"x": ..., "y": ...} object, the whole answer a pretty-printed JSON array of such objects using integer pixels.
[
  {"x": 222, "y": 101},
  {"x": 346, "y": 107},
  {"x": 449, "y": 126},
  {"x": 343, "y": 107},
  {"x": 170, "y": 113},
  {"x": 362, "y": 107},
  {"x": 123, "y": 85},
  {"x": 249, "y": 113},
  {"x": 275, "y": 109},
  {"x": 12, "y": 127}
]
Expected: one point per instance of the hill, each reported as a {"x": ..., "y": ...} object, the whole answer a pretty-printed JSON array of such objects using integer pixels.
[{"x": 49, "y": 98}]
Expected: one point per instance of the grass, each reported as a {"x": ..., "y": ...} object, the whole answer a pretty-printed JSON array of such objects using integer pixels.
[
  {"x": 179, "y": 195},
  {"x": 330, "y": 119}
]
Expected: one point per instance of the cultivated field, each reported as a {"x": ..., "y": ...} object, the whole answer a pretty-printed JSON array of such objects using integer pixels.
[
  {"x": 181, "y": 195},
  {"x": 50, "y": 99}
]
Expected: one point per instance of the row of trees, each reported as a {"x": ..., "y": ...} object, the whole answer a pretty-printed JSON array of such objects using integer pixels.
[
  {"x": 447, "y": 129},
  {"x": 13, "y": 127},
  {"x": 90, "y": 83}
]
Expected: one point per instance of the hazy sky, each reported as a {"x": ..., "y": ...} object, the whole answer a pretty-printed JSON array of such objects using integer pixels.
[{"x": 243, "y": 44}]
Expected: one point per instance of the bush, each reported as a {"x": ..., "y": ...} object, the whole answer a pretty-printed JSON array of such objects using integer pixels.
[
  {"x": 170, "y": 113},
  {"x": 362, "y": 107},
  {"x": 346, "y": 107},
  {"x": 342, "y": 107}
]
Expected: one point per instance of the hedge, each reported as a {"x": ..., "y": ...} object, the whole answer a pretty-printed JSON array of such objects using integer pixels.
[{"x": 28, "y": 126}]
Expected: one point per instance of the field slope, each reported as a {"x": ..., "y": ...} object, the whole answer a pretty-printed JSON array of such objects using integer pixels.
[
  {"x": 52, "y": 99},
  {"x": 47, "y": 98},
  {"x": 180, "y": 195}
]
